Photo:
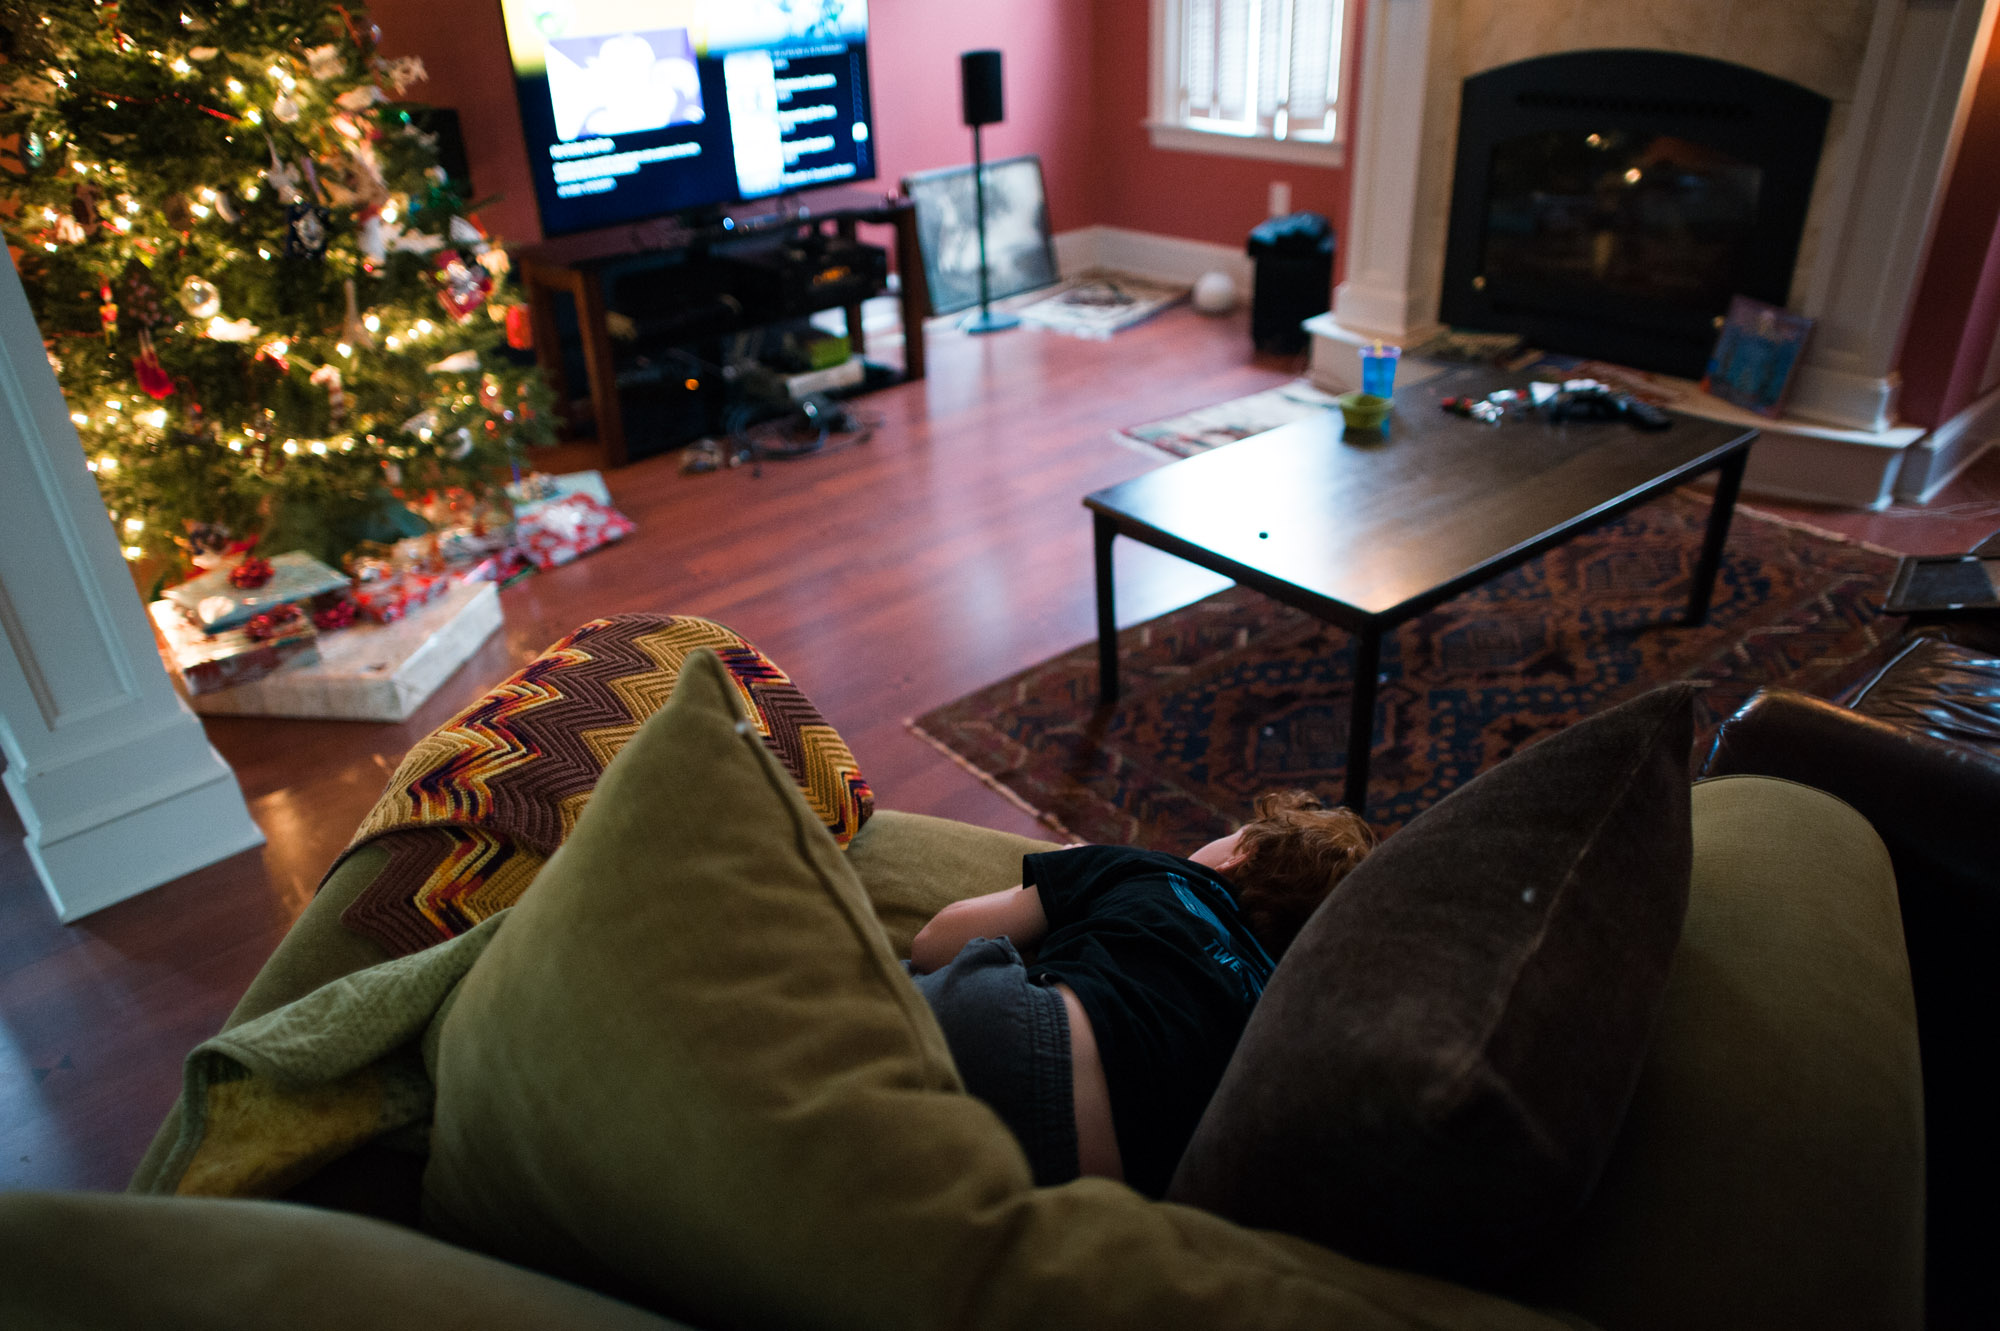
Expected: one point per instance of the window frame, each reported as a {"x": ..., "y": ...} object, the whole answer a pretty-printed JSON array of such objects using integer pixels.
[{"x": 1168, "y": 131}]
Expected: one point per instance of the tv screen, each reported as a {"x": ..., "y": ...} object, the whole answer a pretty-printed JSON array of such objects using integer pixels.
[{"x": 634, "y": 109}]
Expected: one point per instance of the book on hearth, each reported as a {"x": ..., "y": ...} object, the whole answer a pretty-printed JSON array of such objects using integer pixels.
[{"x": 1756, "y": 356}]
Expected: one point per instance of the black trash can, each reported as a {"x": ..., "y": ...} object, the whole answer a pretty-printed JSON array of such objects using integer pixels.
[{"x": 1293, "y": 257}]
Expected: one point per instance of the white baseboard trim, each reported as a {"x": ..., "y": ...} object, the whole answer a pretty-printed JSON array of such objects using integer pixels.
[
  {"x": 1144, "y": 254},
  {"x": 1843, "y": 399},
  {"x": 1941, "y": 455}
]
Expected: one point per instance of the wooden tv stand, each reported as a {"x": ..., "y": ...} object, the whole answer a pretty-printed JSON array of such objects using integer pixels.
[{"x": 575, "y": 266}]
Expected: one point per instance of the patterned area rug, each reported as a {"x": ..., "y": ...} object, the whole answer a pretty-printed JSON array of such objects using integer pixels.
[
  {"x": 1237, "y": 694},
  {"x": 1224, "y": 423}
]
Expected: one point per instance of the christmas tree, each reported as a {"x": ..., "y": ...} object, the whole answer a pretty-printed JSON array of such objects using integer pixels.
[{"x": 272, "y": 314}]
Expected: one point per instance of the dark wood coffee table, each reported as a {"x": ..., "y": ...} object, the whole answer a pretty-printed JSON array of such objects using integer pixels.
[{"x": 1368, "y": 534}]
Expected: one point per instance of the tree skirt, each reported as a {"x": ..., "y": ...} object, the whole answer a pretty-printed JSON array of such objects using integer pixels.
[{"x": 1237, "y": 694}]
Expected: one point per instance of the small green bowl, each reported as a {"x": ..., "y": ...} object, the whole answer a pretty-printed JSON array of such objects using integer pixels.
[{"x": 1363, "y": 411}]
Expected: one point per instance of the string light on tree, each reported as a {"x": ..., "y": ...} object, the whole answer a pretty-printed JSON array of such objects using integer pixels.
[{"x": 215, "y": 204}]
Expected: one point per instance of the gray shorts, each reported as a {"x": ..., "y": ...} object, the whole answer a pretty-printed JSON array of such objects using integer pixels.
[{"x": 1010, "y": 1039}]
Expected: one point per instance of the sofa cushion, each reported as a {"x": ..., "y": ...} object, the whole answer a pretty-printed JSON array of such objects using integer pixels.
[
  {"x": 913, "y": 866},
  {"x": 690, "y": 1070},
  {"x": 1441, "y": 1061}
]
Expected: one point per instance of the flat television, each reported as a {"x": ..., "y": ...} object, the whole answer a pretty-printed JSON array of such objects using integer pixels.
[{"x": 639, "y": 109}]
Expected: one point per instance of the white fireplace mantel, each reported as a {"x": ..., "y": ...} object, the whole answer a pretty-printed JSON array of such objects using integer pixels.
[{"x": 1899, "y": 73}]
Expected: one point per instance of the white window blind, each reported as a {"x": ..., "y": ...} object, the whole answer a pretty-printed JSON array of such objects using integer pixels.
[{"x": 1267, "y": 69}]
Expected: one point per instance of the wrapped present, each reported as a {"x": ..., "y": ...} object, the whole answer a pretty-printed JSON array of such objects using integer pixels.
[
  {"x": 537, "y": 488},
  {"x": 561, "y": 529},
  {"x": 503, "y": 566},
  {"x": 215, "y": 603},
  {"x": 387, "y": 599},
  {"x": 207, "y": 661}
]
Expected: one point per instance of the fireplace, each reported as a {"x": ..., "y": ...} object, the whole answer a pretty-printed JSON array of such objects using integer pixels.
[{"x": 1609, "y": 203}]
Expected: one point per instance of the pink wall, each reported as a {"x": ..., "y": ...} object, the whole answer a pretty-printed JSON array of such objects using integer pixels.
[
  {"x": 1199, "y": 196},
  {"x": 914, "y": 48},
  {"x": 1956, "y": 315},
  {"x": 1076, "y": 95},
  {"x": 1046, "y": 72}
]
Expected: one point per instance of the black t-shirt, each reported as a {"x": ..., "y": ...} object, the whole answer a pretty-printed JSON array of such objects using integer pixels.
[{"x": 1155, "y": 951}]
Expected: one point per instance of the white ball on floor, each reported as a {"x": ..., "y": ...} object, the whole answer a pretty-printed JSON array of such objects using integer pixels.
[{"x": 1215, "y": 293}]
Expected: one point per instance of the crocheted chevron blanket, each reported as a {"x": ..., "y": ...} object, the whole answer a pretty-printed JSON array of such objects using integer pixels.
[{"x": 479, "y": 805}]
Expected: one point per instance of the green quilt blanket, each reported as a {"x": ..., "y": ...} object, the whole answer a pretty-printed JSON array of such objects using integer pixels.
[{"x": 265, "y": 1105}]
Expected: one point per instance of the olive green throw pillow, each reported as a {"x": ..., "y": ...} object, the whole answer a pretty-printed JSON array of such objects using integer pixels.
[
  {"x": 1439, "y": 1066},
  {"x": 690, "y": 1072}
]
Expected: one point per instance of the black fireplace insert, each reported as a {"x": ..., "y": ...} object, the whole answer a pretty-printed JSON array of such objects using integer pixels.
[{"x": 1609, "y": 203}]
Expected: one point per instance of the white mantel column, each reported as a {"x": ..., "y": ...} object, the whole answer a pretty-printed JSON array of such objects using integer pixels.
[
  {"x": 1884, "y": 189},
  {"x": 112, "y": 775},
  {"x": 1408, "y": 116}
]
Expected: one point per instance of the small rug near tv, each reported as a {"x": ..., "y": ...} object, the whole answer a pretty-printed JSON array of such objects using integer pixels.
[
  {"x": 1237, "y": 694},
  {"x": 1098, "y": 304},
  {"x": 1211, "y": 427}
]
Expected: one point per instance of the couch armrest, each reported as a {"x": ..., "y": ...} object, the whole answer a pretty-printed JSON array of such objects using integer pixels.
[
  {"x": 1930, "y": 801},
  {"x": 1933, "y": 804},
  {"x": 102, "y": 1262}
]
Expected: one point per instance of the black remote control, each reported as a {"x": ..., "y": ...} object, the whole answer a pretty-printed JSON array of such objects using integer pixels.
[{"x": 1643, "y": 415}]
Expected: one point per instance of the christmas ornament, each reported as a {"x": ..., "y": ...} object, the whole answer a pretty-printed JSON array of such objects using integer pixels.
[
  {"x": 83, "y": 206},
  {"x": 462, "y": 287},
  {"x": 463, "y": 362},
  {"x": 373, "y": 240},
  {"x": 359, "y": 99},
  {"x": 107, "y": 312},
  {"x": 285, "y": 109},
  {"x": 404, "y": 71},
  {"x": 251, "y": 574},
  {"x": 305, "y": 231},
  {"x": 232, "y": 330},
  {"x": 352, "y": 331},
  {"x": 153, "y": 377},
  {"x": 69, "y": 231},
  {"x": 520, "y": 328},
  {"x": 140, "y": 296},
  {"x": 200, "y": 298},
  {"x": 336, "y": 394},
  {"x": 35, "y": 151},
  {"x": 325, "y": 62},
  {"x": 225, "y": 208},
  {"x": 179, "y": 215},
  {"x": 282, "y": 179}
]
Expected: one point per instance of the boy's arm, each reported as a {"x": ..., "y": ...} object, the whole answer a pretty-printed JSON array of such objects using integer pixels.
[{"x": 1015, "y": 912}]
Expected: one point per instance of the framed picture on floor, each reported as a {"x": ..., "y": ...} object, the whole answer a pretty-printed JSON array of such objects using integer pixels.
[
  {"x": 1019, "y": 253},
  {"x": 1755, "y": 355}
]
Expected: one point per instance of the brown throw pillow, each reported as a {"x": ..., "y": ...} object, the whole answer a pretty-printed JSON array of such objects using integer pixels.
[{"x": 1440, "y": 1064}]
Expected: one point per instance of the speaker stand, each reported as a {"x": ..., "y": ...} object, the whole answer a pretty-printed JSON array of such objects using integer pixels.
[{"x": 984, "y": 319}]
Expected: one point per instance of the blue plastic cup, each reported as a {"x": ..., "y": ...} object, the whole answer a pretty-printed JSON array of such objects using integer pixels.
[{"x": 1378, "y": 369}]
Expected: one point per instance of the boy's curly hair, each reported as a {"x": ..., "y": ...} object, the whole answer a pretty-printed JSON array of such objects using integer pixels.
[{"x": 1295, "y": 850}]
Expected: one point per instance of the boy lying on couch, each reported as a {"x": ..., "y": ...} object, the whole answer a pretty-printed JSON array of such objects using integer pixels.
[{"x": 1102, "y": 1051}]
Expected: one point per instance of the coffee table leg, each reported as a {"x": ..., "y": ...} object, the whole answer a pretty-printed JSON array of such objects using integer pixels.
[
  {"x": 1107, "y": 617},
  {"x": 1728, "y": 480},
  {"x": 1361, "y": 719}
]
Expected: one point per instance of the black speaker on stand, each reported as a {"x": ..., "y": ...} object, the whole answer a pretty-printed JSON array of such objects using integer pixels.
[{"x": 979, "y": 93}]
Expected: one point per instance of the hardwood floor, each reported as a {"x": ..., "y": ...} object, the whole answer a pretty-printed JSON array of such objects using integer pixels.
[{"x": 944, "y": 553}]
